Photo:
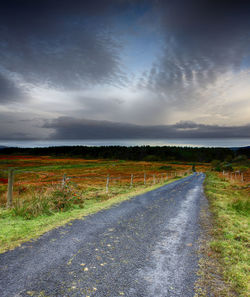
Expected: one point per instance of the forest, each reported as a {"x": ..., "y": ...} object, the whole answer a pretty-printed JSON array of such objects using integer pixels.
[{"x": 135, "y": 153}]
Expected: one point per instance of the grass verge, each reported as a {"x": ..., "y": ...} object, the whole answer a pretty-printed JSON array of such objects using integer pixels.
[
  {"x": 227, "y": 261},
  {"x": 15, "y": 230}
]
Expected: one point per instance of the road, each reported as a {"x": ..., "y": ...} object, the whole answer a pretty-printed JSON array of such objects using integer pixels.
[{"x": 145, "y": 246}]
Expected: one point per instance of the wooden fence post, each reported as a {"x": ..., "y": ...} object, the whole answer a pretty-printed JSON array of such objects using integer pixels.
[
  {"x": 242, "y": 177},
  {"x": 162, "y": 178},
  {"x": 10, "y": 187},
  {"x": 144, "y": 178},
  {"x": 107, "y": 184},
  {"x": 154, "y": 179},
  {"x": 131, "y": 181},
  {"x": 64, "y": 180}
]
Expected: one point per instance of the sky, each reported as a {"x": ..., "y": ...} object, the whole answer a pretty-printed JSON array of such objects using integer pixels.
[{"x": 124, "y": 69}]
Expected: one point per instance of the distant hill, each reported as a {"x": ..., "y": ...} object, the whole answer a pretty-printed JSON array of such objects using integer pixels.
[
  {"x": 243, "y": 151},
  {"x": 238, "y": 148}
]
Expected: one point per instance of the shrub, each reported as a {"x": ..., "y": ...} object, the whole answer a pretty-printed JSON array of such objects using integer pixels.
[
  {"x": 216, "y": 165},
  {"x": 166, "y": 167},
  {"x": 240, "y": 158},
  {"x": 226, "y": 166}
]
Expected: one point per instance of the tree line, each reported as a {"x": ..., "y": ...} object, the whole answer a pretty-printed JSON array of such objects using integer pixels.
[{"x": 136, "y": 153}]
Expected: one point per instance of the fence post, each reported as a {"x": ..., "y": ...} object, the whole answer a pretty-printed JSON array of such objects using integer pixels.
[
  {"x": 63, "y": 180},
  {"x": 154, "y": 179},
  {"x": 107, "y": 184},
  {"x": 242, "y": 177},
  {"x": 131, "y": 181},
  {"x": 10, "y": 187},
  {"x": 162, "y": 178},
  {"x": 166, "y": 176},
  {"x": 144, "y": 178}
]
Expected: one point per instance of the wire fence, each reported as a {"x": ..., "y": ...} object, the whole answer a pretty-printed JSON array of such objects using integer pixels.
[
  {"x": 102, "y": 182},
  {"x": 243, "y": 177}
]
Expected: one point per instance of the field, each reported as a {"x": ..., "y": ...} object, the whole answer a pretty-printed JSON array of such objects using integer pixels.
[
  {"x": 36, "y": 174},
  {"x": 42, "y": 201}
]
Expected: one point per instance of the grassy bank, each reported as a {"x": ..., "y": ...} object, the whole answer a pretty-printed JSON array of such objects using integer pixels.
[
  {"x": 16, "y": 229},
  {"x": 230, "y": 206}
]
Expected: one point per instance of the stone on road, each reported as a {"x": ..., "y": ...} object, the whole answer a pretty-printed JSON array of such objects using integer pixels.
[{"x": 145, "y": 246}]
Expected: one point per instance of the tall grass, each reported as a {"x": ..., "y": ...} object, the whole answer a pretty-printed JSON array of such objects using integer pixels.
[
  {"x": 47, "y": 202},
  {"x": 229, "y": 204}
]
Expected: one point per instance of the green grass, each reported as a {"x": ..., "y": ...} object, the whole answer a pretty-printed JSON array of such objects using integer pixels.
[
  {"x": 16, "y": 229},
  {"x": 229, "y": 205}
]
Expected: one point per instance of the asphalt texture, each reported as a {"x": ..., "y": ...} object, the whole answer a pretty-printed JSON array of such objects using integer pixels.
[{"x": 145, "y": 246}]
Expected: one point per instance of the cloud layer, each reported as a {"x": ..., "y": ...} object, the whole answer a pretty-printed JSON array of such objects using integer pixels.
[
  {"x": 69, "y": 128},
  {"x": 151, "y": 64}
]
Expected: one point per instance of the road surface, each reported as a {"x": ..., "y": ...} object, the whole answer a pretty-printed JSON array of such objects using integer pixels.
[{"x": 145, "y": 246}]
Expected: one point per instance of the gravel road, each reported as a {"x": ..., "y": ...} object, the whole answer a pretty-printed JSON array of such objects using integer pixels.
[{"x": 145, "y": 246}]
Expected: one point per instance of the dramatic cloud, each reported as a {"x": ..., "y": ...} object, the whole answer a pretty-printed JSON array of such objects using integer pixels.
[
  {"x": 10, "y": 91},
  {"x": 22, "y": 126},
  {"x": 144, "y": 62},
  {"x": 68, "y": 128},
  {"x": 59, "y": 43},
  {"x": 204, "y": 39}
]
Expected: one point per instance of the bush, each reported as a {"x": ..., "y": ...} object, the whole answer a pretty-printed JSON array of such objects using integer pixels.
[
  {"x": 240, "y": 158},
  {"x": 166, "y": 167},
  {"x": 216, "y": 165},
  {"x": 226, "y": 166}
]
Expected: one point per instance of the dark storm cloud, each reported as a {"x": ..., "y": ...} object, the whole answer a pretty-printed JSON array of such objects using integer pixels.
[
  {"x": 70, "y": 128},
  {"x": 60, "y": 43},
  {"x": 21, "y": 125},
  {"x": 9, "y": 91},
  {"x": 204, "y": 38}
]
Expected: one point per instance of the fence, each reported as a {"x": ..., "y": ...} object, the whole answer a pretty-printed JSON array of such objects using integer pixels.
[
  {"x": 130, "y": 179},
  {"x": 237, "y": 176}
]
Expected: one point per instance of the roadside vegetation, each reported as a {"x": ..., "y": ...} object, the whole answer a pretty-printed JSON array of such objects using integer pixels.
[
  {"x": 42, "y": 200},
  {"x": 229, "y": 202}
]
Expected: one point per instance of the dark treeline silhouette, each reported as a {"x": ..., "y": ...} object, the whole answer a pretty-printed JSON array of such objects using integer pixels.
[
  {"x": 244, "y": 151},
  {"x": 137, "y": 153}
]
